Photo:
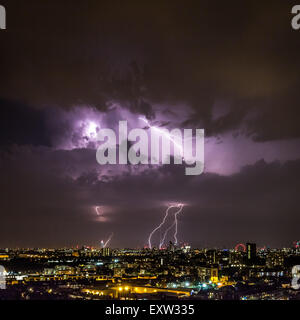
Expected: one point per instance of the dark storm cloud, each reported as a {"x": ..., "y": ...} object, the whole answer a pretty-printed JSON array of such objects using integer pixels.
[
  {"x": 20, "y": 124},
  {"x": 50, "y": 198},
  {"x": 66, "y": 53}
]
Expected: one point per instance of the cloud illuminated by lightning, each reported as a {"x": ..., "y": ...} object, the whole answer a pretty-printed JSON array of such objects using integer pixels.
[
  {"x": 168, "y": 135},
  {"x": 91, "y": 129},
  {"x": 101, "y": 213}
]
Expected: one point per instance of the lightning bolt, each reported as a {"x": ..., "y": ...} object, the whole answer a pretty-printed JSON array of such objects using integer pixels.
[
  {"x": 159, "y": 226},
  {"x": 169, "y": 136},
  {"x": 97, "y": 211},
  {"x": 165, "y": 234},
  {"x": 175, "y": 223},
  {"x": 108, "y": 240}
]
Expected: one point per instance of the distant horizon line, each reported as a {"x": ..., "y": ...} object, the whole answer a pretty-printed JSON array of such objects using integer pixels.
[{"x": 141, "y": 248}]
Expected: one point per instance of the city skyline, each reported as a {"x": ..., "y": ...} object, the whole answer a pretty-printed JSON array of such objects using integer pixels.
[{"x": 177, "y": 273}]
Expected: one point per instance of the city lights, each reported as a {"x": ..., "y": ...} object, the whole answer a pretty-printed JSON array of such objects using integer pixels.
[{"x": 105, "y": 273}]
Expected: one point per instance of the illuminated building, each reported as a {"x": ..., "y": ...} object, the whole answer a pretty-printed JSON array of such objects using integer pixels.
[
  {"x": 75, "y": 254},
  {"x": 211, "y": 256},
  {"x": 214, "y": 275},
  {"x": 251, "y": 251},
  {"x": 105, "y": 252},
  {"x": 208, "y": 274},
  {"x": 60, "y": 269},
  {"x": 186, "y": 249},
  {"x": 275, "y": 259},
  {"x": 236, "y": 258},
  {"x": 4, "y": 257}
]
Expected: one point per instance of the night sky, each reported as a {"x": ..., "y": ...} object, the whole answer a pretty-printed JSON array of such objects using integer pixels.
[{"x": 229, "y": 67}]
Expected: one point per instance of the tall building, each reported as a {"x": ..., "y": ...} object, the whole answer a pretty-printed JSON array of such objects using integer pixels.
[
  {"x": 105, "y": 252},
  {"x": 171, "y": 246},
  {"x": 211, "y": 256},
  {"x": 251, "y": 251}
]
